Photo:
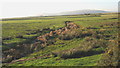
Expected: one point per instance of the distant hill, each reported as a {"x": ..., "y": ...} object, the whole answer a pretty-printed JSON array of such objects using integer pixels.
[
  {"x": 83, "y": 12},
  {"x": 78, "y": 12}
]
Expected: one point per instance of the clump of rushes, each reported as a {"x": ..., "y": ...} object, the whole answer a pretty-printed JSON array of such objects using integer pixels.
[
  {"x": 111, "y": 55},
  {"x": 73, "y": 33},
  {"x": 87, "y": 48}
]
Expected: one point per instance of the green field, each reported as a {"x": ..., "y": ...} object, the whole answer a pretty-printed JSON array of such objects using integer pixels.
[{"x": 18, "y": 31}]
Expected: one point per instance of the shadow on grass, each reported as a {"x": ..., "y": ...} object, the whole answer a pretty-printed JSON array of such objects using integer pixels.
[{"x": 80, "y": 54}]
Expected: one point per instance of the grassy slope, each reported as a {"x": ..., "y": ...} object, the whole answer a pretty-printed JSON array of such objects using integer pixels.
[
  {"x": 56, "y": 61},
  {"x": 20, "y": 26},
  {"x": 85, "y": 61}
]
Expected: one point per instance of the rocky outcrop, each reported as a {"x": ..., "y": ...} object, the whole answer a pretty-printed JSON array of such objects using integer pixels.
[{"x": 69, "y": 25}]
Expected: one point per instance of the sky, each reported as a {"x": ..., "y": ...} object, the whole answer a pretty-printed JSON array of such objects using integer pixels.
[{"x": 23, "y": 8}]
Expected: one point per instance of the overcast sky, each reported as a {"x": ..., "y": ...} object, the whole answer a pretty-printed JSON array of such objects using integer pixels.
[{"x": 21, "y": 8}]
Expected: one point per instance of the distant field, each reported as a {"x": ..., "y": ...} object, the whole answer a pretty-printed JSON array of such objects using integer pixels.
[{"x": 25, "y": 30}]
